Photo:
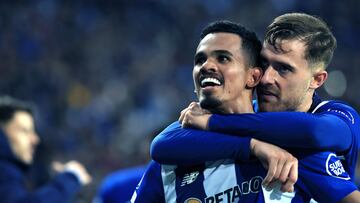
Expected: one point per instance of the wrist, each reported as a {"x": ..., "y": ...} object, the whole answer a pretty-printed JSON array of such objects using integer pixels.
[
  {"x": 207, "y": 124},
  {"x": 253, "y": 143}
]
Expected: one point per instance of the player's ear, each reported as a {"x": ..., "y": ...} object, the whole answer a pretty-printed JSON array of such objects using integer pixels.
[
  {"x": 319, "y": 77},
  {"x": 255, "y": 74}
]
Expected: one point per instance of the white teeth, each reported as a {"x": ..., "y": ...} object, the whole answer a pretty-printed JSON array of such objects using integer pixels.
[{"x": 210, "y": 80}]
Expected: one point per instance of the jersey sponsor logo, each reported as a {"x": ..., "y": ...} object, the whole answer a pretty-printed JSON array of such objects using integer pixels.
[
  {"x": 192, "y": 200},
  {"x": 189, "y": 178},
  {"x": 335, "y": 168},
  {"x": 234, "y": 193}
]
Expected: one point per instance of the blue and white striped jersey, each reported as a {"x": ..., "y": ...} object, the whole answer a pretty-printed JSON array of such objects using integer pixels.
[
  {"x": 321, "y": 174},
  {"x": 234, "y": 181}
]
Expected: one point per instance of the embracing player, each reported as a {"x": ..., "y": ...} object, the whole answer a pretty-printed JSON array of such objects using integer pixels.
[{"x": 206, "y": 146}]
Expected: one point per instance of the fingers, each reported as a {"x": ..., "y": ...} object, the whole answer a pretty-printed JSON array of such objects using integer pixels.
[
  {"x": 185, "y": 118},
  {"x": 288, "y": 186},
  {"x": 182, "y": 115},
  {"x": 57, "y": 166},
  {"x": 79, "y": 170},
  {"x": 183, "y": 112},
  {"x": 283, "y": 169},
  {"x": 286, "y": 173},
  {"x": 272, "y": 167}
]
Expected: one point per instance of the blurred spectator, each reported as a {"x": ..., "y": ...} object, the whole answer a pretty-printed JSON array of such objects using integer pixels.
[
  {"x": 119, "y": 186},
  {"x": 18, "y": 141}
]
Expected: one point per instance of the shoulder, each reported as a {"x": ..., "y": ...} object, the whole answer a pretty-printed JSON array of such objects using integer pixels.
[
  {"x": 338, "y": 108},
  {"x": 324, "y": 163},
  {"x": 324, "y": 175},
  {"x": 173, "y": 126},
  {"x": 154, "y": 166}
]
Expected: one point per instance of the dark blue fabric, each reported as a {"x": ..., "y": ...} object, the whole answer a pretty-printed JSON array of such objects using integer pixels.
[
  {"x": 334, "y": 126},
  {"x": 119, "y": 186},
  {"x": 150, "y": 187},
  {"x": 320, "y": 178},
  {"x": 164, "y": 148},
  {"x": 330, "y": 128},
  {"x": 184, "y": 190},
  {"x": 12, "y": 182},
  {"x": 324, "y": 130}
]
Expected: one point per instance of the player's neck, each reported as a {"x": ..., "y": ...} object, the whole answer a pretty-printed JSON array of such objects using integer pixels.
[
  {"x": 236, "y": 107},
  {"x": 305, "y": 105}
]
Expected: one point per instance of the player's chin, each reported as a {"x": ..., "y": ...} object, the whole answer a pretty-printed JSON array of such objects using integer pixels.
[
  {"x": 267, "y": 106},
  {"x": 209, "y": 102}
]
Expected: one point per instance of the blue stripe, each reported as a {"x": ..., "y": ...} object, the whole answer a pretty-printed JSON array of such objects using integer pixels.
[
  {"x": 186, "y": 190},
  {"x": 249, "y": 178}
]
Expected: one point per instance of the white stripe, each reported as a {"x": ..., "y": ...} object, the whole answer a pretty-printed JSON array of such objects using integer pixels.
[
  {"x": 320, "y": 105},
  {"x": 276, "y": 196},
  {"x": 219, "y": 176},
  {"x": 169, "y": 179}
]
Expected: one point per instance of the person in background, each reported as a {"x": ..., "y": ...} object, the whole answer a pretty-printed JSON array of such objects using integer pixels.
[
  {"x": 18, "y": 141},
  {"x": 118, "y": 186}
]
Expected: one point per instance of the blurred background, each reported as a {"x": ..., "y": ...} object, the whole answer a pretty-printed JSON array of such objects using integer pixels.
[{"x": 106, "y": 75}]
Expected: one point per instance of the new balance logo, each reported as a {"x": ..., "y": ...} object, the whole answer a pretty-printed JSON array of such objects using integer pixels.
[{"x": 189, "y": 178}]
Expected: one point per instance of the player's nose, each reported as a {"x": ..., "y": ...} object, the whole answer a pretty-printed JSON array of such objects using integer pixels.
[{"x": 269, "y": 77}]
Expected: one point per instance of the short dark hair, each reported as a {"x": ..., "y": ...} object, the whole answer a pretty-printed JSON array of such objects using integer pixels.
[
  {"x": 8, "y": 107},
  {"x": 313, "y": 31},
  {"x": 250, "y": 42}
]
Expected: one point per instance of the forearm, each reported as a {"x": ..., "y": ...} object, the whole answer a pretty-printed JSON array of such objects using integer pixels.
[
  {"x": 287, "y": 129},
  {"x": 62, "y": 189},
  {"x": 185, "y": 146}
]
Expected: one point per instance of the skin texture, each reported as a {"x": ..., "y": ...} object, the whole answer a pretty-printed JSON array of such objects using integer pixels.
[
  {"x": 353, "y": 197},
  {"x": 287, "y": 84},
  {"x": 289, "y": 81},
  {"x": 219, "y": 56},
  {"x": 21, "y": 134},
  {"x": 281, "y": 165}
]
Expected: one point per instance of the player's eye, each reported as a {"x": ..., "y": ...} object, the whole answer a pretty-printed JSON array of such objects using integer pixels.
[
  {"x": 283, "y": 69},
  {"x": 199, "y": 60},
  {"x": 223, "y": 59}
]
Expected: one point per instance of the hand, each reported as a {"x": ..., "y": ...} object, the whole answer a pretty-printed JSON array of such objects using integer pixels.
[
  {"x": 353, "y": 197},
  {"x": 194, "y": 117},
  {"x": 281, "y": 165},
  {"x": 75, "y": 167}
]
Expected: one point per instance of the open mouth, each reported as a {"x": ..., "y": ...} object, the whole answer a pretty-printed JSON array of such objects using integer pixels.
[{"x": 209, "y": 82}]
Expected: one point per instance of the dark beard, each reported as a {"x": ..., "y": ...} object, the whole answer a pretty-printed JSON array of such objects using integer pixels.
[{"x": 210, "y": 104}]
